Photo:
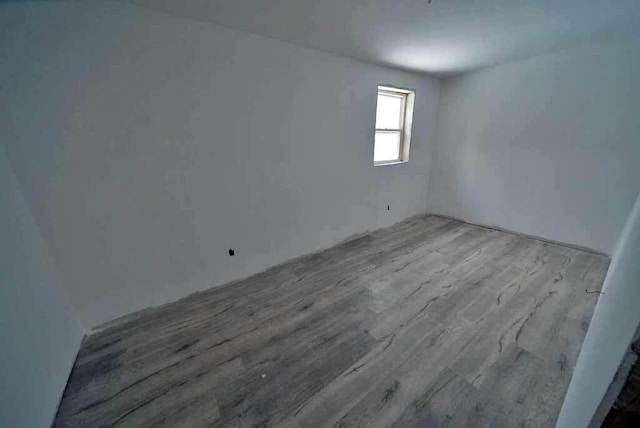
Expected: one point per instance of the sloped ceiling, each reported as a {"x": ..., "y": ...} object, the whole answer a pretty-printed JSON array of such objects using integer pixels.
[{"x": 442, "y": 37}]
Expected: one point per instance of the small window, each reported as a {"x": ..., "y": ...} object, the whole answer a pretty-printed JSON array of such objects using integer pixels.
[{"x": 394, "y": 115}]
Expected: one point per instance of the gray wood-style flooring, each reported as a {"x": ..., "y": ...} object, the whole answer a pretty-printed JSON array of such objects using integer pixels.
[{"x": 431, "y": 322}]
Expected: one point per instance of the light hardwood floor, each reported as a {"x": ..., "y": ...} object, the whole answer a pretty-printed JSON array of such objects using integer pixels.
[{"x": 431, "y": 322}]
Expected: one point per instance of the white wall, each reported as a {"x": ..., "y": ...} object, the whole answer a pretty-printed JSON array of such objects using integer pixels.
[
  {"x": 548, "y": 146},
  {"x": 148, "y": 145},
  {"x": 612, "y": 328},
  {"x": 39, "y": 335}
]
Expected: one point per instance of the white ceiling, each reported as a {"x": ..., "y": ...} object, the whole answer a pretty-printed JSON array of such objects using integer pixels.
[{"x": 444, "y": 37}]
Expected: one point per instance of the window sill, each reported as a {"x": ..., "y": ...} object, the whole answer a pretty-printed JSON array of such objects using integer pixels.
[{"x": 390, "y": 163}]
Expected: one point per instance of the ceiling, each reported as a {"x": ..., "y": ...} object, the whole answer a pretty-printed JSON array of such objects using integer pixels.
[{"x": 444, "y": 37}]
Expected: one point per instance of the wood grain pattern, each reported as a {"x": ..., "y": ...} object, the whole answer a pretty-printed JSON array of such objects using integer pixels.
[{"x": 432, "y": 322}]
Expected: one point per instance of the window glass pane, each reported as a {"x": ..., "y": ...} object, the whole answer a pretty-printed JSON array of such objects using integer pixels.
[
  {"x": 387, "y": 146},
  {"x": 388, "y": 111}
]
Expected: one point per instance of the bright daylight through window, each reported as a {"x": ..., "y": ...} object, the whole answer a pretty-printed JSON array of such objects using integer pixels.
[{"x": 394, "y": 115}]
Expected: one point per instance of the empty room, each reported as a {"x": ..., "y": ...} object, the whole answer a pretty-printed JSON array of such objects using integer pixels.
[{"x": 320, "y": 213}]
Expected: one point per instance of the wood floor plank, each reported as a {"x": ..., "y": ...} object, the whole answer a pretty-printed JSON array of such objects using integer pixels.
[{"x": 431, "y": 322}]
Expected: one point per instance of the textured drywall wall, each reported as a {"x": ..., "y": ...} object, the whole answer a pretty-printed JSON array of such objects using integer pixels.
[
  {"x": 612, "y": 328},
  {"x": 547, "y": 146},
  {"x": 39, "y": 334},
  {"x": 148, "y": 145}
]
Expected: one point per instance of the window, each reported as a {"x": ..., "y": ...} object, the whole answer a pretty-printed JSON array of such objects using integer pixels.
[{"x": 394, "y": 115}]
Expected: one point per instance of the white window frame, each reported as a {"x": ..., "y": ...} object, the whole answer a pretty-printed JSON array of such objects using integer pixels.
[{"x": 406, "y": 121}]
